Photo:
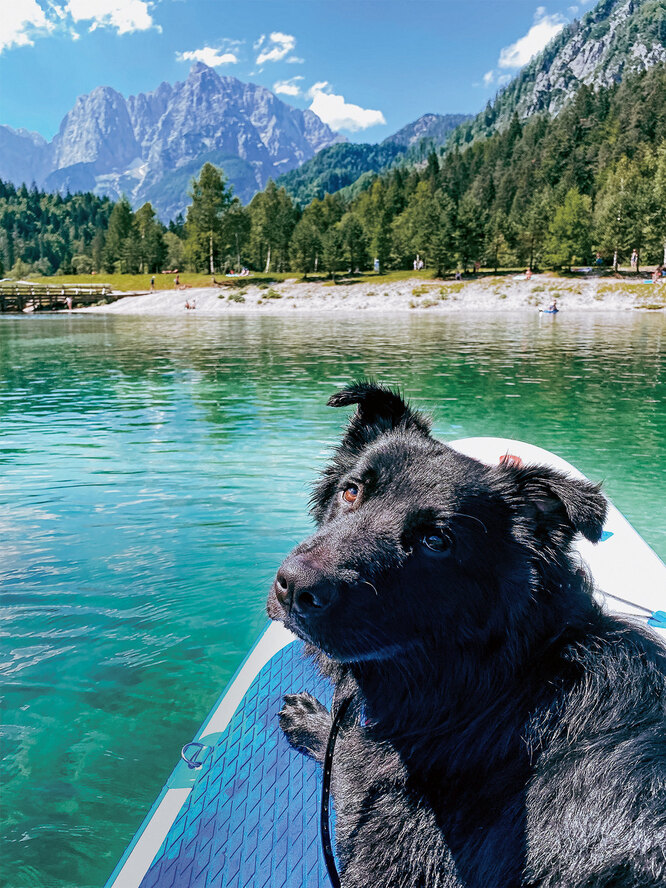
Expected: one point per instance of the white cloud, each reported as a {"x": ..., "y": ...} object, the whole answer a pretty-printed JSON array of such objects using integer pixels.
[
  {"x": 123, "y": 15},
  {"x": 503, "y": 79},
  {"x": 209, "y": 56},
  {"x": 319, "y": 86},
  {"x": 294, "y": 60},
  {"x": 277, "y": 47},
  {"x": 338, "y": 114},
  {"x": 543, "y": 30},
  {"x": 19, "y": 21},
  {"x": 488, "y": 78},
  {"x": 288, "y": 87}
]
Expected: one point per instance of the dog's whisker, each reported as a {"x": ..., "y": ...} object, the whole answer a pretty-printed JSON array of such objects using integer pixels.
[{"x": 471, "y": 517}]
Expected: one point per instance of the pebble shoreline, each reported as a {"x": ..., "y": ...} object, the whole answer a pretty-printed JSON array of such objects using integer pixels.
[{"x": 487, "y": 294}]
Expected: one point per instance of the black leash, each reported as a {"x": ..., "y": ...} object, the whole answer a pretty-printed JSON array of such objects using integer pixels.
[{"x": 326, "y": 794}]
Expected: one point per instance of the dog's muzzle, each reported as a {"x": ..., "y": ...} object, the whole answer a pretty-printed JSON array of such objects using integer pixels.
[{"x": 300, "y": 587}]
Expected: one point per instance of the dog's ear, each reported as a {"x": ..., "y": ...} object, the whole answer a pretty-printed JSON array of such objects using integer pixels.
[
  {"x": 379, "y": 410},
  {"x": 558, "y": 503}
]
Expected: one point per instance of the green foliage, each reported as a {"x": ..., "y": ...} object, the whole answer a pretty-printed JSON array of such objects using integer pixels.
[
  {"x": 353, "y": 239},
  {"x": 151, "y": 247},
  {"x": 82, "y": 264},
  {"x": 175, "y": 251},
  {"x": 120, "y": 227},
  {"x": 305, "y": 246},
  {"x": 273, "y": 218},
  {"x": 43, "y": 231},
  {"x": 569, "y": 237},
  {"x": 337, "y": 166},
  {"x": 211, "y": 200},
  {"x": 333, "y": 251}
]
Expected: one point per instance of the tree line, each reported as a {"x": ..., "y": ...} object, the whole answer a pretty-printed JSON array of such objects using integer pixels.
[{"x": 548, "y": 192}]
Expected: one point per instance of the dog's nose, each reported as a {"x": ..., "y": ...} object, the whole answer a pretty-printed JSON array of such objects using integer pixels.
[{"x": 299, "y": 586}]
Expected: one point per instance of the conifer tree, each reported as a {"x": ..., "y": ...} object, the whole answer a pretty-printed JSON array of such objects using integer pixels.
[
  {"x": 569, "y": 236},
  {"x": 151, "y": 247},
  {"x": 352, "y": 237},
  {"x": 305, "y": 246},
  {"x": 237, "y": 226},
  {"x": 120, "y": 226},
  {"x": 211, "y": 200}
]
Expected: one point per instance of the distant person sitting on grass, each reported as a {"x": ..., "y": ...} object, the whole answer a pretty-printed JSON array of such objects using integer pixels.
[
  {"x": 176, "y": 281},
  {"x": 152, "y": 282}
]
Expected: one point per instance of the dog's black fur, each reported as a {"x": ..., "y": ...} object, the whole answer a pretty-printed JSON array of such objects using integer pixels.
[{"x": 506, "y": 732}]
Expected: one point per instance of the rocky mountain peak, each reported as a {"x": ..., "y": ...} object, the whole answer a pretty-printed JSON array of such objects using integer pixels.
[
  {"x": 613, "y": 40},
  {"x": 434, "y": 127},
  {"x": 149, "y": 146},
  {"x": 97, "y": 130}
]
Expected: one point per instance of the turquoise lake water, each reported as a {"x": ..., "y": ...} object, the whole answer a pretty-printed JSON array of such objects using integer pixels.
[{"x": 156, "y": 471}]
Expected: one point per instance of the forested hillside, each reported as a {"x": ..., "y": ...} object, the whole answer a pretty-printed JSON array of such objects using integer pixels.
[
  {"x": 41, "y": 232},
  {"x": 336, "y": 167},
  {"x": 354, "y": 164},
  {"x": 548, "y": 192}
]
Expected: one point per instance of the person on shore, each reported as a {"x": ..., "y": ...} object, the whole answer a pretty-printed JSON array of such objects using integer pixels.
[
  {"x": 176, "y": 281},
  {"x": 152, "y": 282},
  {"x": 528, "y": 274},
  {"x": 634, "y": 259}
]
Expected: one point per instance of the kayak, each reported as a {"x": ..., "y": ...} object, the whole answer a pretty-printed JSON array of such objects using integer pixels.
[{"x": 241, "y": 807}]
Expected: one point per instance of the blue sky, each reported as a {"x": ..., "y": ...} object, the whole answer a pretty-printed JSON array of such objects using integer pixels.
[{"x": 367, "y": 67}]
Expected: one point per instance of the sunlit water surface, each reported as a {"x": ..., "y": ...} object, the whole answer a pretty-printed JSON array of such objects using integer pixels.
[{"x": 155, "y": 472}]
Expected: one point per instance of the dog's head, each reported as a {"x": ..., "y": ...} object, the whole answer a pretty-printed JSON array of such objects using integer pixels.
[{"x": 416, "y": 541}]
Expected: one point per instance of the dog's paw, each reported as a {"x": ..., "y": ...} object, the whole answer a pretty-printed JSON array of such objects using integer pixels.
[{"x": 306, "y": 724}]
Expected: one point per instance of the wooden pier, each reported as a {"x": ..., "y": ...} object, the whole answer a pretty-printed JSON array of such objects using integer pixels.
[{"x": 25, "y": 296}]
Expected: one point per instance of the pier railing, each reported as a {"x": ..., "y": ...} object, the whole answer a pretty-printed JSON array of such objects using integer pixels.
[{"x": 26, "y": 296}]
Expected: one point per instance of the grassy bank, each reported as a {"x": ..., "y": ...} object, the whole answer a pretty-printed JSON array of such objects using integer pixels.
[
  {"x": 133, "y": 283},
  {"x": 140, "y": 283}
]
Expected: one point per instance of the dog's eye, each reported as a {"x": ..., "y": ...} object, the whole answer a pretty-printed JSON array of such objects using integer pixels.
[
  {"x": 437, "y": 541},
  {"x": 350, "y": 493}
]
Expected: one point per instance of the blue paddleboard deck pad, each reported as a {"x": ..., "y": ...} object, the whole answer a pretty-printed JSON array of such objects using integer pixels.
[
  {"x": 252, "y": 817},
  {"x": 245, "y": 810}
]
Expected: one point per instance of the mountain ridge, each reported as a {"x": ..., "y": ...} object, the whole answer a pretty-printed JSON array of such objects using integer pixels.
[
  {"x": 614, "y": 39},
  {"x": 111, "y": 145},
  {"x": 340, "y": 166}
]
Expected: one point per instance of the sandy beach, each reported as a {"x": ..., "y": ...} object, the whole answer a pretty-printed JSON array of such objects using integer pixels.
[{"x": 485, "y": 294}]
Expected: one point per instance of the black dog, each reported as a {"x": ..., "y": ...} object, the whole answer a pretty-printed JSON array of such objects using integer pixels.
[{"x": 504, "y": 731}]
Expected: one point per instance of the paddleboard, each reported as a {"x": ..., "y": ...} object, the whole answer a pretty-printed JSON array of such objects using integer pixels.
[{"x": 241, "y": 808}]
